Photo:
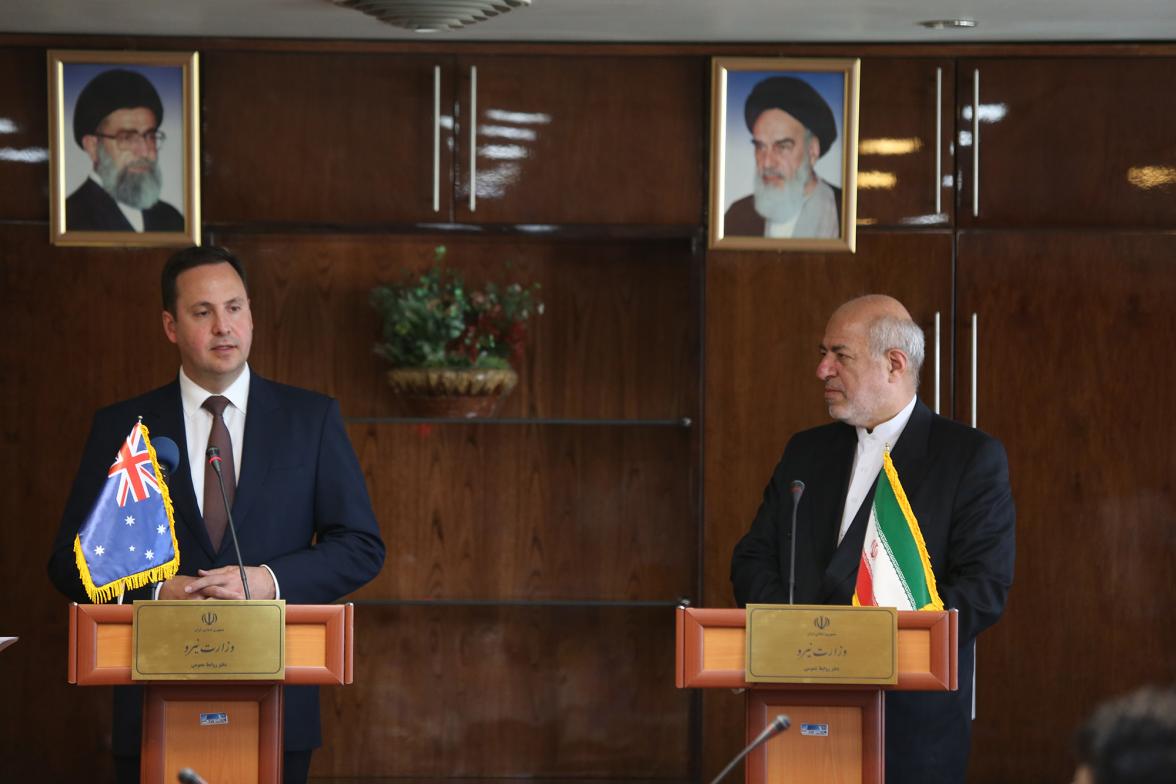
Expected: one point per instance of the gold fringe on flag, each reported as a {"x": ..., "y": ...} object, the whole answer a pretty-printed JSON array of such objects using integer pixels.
[
  {"x": 105, "y": 593},
  {"x": 913, "y": 524}
]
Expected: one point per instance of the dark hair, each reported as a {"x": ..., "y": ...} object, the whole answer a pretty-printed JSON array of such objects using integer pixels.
[
  {"x": 186, "y": 259},
  {"x": 1132, "y": 739}
]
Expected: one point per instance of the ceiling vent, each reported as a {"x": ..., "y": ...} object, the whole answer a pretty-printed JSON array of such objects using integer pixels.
[{"x": 431, "y": 16}]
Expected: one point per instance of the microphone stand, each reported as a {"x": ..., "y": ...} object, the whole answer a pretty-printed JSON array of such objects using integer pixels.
[
  {"x": 214, "y": 460},
  {"x": 797, "y": 489},
  {"x": 778, "y": 725},
  {"x": 189, "y": 776}
]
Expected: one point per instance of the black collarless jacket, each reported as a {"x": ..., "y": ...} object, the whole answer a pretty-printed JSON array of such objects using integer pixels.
[{"x": 90, "y": 208}]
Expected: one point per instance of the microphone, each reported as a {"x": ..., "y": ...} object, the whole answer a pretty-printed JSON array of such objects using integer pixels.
[
  {"x": 797, "y": 489},
  {"x": 168, "y": 454},
  {"x": 778, "y": 725},
  {"x": 214, "y": 460},
  {"x": 189, "y": 776}
]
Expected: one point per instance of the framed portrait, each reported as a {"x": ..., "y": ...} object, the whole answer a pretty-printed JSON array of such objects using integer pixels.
[
  {"x": 784, "y": 153},
  {"x": 124, "y": 148}
]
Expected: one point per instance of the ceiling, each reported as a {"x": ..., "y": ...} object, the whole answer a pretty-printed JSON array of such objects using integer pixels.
[{"x": 617, "y": 20}]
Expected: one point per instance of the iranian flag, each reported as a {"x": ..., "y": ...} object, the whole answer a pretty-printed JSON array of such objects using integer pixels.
[{"x": 895, "y": 570}]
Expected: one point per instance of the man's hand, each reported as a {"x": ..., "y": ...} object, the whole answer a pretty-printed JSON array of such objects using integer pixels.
[
  {"x": 225, "y": 583},
  {"x": 175, "y": 588}
]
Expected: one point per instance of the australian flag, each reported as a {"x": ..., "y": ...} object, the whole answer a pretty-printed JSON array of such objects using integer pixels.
[{"x": 129, "y": 538}]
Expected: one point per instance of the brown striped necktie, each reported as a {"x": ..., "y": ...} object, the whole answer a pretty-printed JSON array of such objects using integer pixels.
[{"x": 216, "y": 517}]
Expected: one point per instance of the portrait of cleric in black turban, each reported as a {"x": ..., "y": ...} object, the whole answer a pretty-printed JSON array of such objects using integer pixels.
[
  {"x": 121, "y": 167},
  {"x": 783, "y": 169}
]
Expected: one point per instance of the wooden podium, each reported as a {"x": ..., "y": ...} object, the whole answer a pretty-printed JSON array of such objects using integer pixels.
[
  {"x": 248, "y": 747},
  {"x": 843, "y": 740}
]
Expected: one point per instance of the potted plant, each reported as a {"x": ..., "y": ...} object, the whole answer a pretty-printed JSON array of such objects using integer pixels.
[{"x": 451, "y": 346}]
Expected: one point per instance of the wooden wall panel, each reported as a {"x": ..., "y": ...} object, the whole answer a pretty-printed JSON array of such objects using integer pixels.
[
  {"x": 616, "y": 339},
  {"x": 88, "y": 332},
  {"x": 897, "y": 142},
  {"x": 1077, "y": 142},
  {"x": 583, "y": 140},
  {"x": 1074, "y": 333},
  {"x": 319, "y": 137},
  {"x": 562, "y": 512},
  {"x": 24, "y": 135},
  {"x": 570, "y": 692}
]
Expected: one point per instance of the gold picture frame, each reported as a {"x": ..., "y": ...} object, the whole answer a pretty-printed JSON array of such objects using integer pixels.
[
  {"x": 93, "y": 201},
  {"x": 809, "y": 153}
]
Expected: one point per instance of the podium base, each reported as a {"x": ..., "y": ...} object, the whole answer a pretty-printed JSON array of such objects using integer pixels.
[
  {"x": 225, "y": 733},
  {"x": 835, "y": 735}
]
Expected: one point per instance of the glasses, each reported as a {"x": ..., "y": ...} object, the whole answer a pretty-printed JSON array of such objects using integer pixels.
[{"x": 125, "y": 140}]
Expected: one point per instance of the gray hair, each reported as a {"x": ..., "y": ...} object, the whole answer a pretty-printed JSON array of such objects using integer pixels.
[{"x": 889, "y": 332}]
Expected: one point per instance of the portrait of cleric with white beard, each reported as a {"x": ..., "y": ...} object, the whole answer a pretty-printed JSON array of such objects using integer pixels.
[
  {"x": 122, "y": 179},
  {"x": 790, "y": 128}
]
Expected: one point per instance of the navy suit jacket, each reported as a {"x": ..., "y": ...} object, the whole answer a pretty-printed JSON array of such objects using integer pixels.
[
  {"x": 90, "y": 208},
  {"x": 301, "y": 508},
  {"x": 956, "y": 479}
]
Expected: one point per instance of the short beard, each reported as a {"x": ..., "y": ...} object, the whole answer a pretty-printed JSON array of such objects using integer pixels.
[
  {"x": 139, "y": 190},
  {"x": 781, "y": 203}
]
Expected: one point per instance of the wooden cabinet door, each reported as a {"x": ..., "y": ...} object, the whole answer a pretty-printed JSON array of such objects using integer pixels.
[
  {"x": 1068, "y": 142},
  {"x": 326, "y": 138},
  {"x": 24, "y": 134},
  {"x": 580, "y": 140},
  {"x": 1074, "y": 376},
  {"x": 905, "y": 162}
]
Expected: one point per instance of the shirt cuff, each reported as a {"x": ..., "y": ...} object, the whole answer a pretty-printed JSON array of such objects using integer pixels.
[{"x": 274, "y": 577}]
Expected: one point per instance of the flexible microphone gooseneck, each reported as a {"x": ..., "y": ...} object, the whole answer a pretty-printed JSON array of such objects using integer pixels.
[
  {"x": 797, "y": 489},
  {"x": 214, "y": 460},
  {"x": 778, "y": 725},
  {"x": 189, "y": 776}
]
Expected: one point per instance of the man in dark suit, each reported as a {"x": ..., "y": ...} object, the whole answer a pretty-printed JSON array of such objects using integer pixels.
[
  {"x": 956, "y": 479},
  {"x": 116, "y": 121},
  {"x": 301, "y": 509}
]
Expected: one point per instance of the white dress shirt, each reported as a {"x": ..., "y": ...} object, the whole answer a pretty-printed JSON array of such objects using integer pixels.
[
  {"x": 867, "y": 462},
  {"x": 198, "y": 425}
]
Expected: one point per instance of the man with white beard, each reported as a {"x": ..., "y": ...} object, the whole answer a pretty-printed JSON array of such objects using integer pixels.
[
  {"x": 116, "y": 121},
  {"x": 791, "y": 128}
]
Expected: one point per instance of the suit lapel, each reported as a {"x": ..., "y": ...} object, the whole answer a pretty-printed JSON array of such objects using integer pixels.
[
  {"x": 164, "y": 416},
  {"x": 839, "y": 578},
  {"x": 910, "y": 453},
  {"x": 830, "y": 481},
  {"x": 262, "y": 423}
]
